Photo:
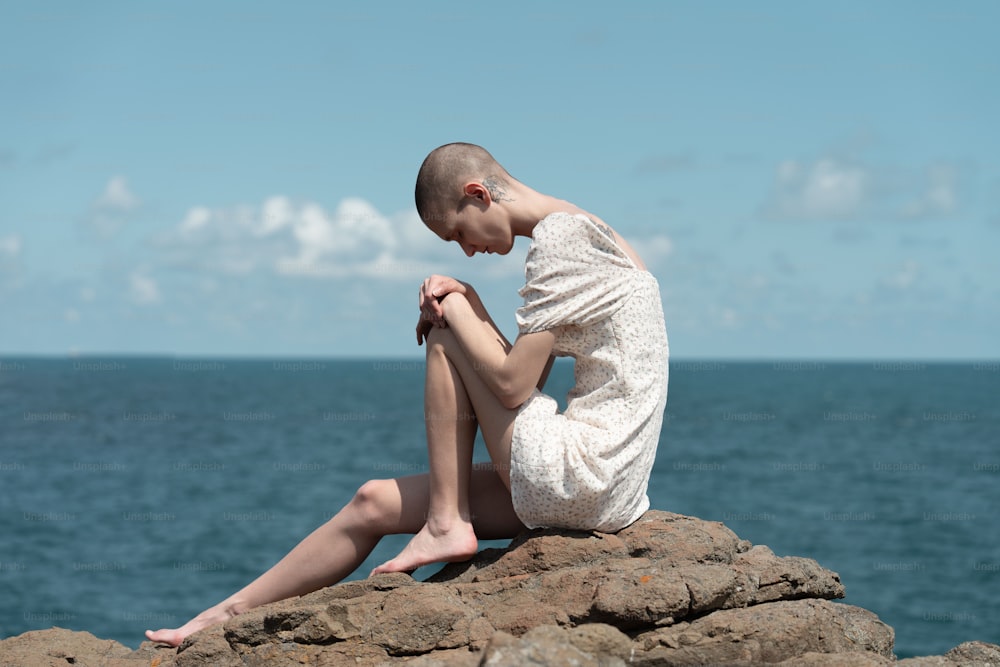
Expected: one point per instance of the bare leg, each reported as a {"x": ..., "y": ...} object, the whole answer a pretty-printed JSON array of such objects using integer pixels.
[
  {"x": 454, "y": 392},
  {"x": 335, "y": 549},
  {"x": 445, "y": 509}
]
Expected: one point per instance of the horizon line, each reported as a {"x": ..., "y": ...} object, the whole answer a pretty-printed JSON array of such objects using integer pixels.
[{"x": 368, "y": 357}]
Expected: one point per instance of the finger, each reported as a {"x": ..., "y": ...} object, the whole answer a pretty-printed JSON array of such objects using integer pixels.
[
  {"x": 432, "y": 314},
  {"x": 432, "y": 309},
  {"x": 431, "y": 294},
  {"x": 420, "y": 290},
  {"x": 422, "y": 293}
]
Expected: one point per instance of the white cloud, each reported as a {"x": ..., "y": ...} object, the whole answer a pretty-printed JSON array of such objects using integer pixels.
[
  {"x": 303, "y": 239},
  {"x": 827, "y": 189},
  {"x": 143, "y": 290},
  {"x": 939, "y": 198},
  {"x": 111, "y": 210},
  {"x": 195, "y": 219},
  {"x": 277, "y": 213},
  {"x": 117, "y": 196},
  {"x": 904, "y": 276},
  {"x": 840, "y": 189},
  {"x": 10, "y": 246},
  {"x": 10, "y": 252}
]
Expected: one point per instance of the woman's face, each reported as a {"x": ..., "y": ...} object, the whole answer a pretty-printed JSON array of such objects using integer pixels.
[{"x": 477, "y": 229}]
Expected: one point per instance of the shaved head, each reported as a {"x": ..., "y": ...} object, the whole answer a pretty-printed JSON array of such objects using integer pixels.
[{"x": 446, "y": 170}]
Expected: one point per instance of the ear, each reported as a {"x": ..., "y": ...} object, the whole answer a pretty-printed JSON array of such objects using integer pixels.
[{"x": 476, "y": 190}]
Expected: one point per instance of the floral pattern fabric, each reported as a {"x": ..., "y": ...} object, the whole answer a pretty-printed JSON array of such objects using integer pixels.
[{"x": 589, "y": 467}]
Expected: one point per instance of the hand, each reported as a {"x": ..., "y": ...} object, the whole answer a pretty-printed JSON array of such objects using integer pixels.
[
  {"x": 432, "y": 291},
  {"x": 424, "y": 327}
]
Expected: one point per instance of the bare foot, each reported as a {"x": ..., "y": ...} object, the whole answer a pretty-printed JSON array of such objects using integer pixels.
[
  {"x": 218, "y": 614},
  {"x": 434, "y": 546}
]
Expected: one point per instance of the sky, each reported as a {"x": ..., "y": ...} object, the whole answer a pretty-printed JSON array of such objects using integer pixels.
[{"x": 806, "y": 180}]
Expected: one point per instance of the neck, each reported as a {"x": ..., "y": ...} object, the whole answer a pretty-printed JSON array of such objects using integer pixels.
[{"x": 529, "y": 207}]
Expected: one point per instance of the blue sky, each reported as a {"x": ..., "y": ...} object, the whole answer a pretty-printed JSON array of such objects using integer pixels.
[{"x": 806, "y": 180}]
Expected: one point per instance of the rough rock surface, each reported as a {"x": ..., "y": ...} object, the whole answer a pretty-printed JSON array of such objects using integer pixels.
[{"x": 667, "y": 590}]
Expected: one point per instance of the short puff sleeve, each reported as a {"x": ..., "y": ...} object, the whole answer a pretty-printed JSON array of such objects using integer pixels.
[{"x": 575, "y": 274}]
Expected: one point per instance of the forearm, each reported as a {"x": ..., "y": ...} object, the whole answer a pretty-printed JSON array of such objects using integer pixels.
[
  {"x": 510, "y": 371},
  {"x": 485, "y": 347}
]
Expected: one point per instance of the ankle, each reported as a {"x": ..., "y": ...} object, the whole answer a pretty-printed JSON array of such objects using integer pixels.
[{"x": 441, "y": 524}]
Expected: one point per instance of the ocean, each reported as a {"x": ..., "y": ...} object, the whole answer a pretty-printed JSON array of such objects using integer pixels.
[{"x": 134, "y": 492}]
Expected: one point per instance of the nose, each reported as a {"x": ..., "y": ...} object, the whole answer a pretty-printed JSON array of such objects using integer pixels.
[{"x": 468, "y": 250}]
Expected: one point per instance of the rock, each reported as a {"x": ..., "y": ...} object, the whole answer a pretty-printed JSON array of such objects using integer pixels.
[
  {"x": 771, "y": 632},
  {"x": 667, "y": 590},
  {"x": 542, "y": 648},
  {"x": 592, "y": 644},
  {"x": 968, "y": 654},
  {"x": 58, "y": 646},
  {"x": 811, "y": 659}
]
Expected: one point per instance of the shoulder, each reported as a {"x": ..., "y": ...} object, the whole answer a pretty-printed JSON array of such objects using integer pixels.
[
  {"x": 562, "y": 231},
  {"x": 577, "y": 235},
  {"x": 562, "y": 223}
]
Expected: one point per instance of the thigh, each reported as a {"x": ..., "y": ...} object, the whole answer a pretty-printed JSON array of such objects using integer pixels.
[{"x": 495, "y": 421}]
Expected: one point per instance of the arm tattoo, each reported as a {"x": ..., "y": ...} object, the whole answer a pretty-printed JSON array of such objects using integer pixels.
[{"x": 496, "y": 189}]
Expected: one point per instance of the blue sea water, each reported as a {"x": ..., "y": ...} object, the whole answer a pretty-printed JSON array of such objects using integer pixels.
[{"x": 134, "y": 492}]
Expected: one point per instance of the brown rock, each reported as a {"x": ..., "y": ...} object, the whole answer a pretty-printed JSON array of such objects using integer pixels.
[
  {"x": 446, "y": 658},
  {"x": 837, "y": 660},
  {"x": 686, "y": 591},
  {"x": 787, "y": 578},
  {"x": 147, "y": 654},
  {"x": 972, "y": 653},
  {"x": 968, "y": 654},
  {"x": 59, "y": 647},
  {"x": 592, "y": 644},
  {"x": 267, "y": 624},
  {"x": 290, "y": 654},
  {"x": 604, "y": 641},
  {"x": 208, "y": 648},
  {"x": 767, "y": 633},
  {"x": 544, "y": 645},
  {"x": 535, "y": 551},
  {"x": 681, "y": 539},
  {"x": 418, "y": 619},
  {"x": 635, "y": 594}
]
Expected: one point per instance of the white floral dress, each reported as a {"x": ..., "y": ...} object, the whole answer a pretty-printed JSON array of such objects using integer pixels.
[{"x": 589, "y": 467}]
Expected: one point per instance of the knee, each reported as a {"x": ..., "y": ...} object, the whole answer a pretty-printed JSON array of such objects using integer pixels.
[
  {"x": 457, "y": 306},
  {"x": 454, "y": 303},
  {"x": 370, "y": 500},
  {"x": 439, "y": 340},
  {"x": 453, "y": 306}
]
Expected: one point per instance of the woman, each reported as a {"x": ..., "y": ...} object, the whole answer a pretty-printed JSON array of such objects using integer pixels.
[{"x": 587, "y": 295}]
